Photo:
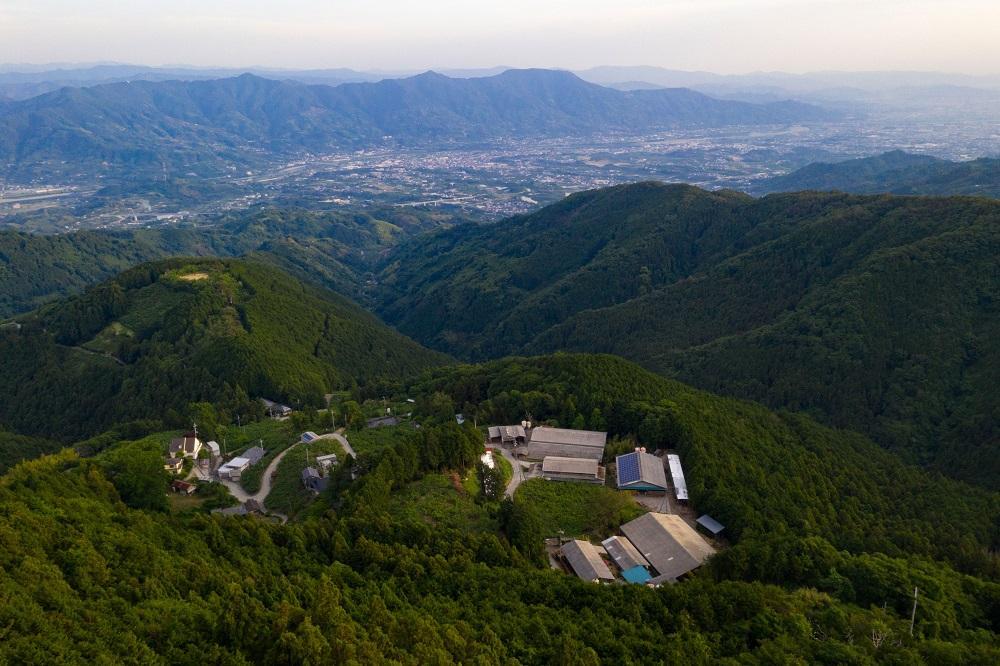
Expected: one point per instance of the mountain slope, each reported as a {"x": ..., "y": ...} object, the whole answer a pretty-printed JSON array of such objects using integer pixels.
[
  {"x": 827, "y": 538},
  {"x": 201, "y": 125},
  {"x": 873, "y": 313},
  {"x": 896, "y": 173},
  {"x": 335, "y": 249},
  {"x": 160, "y": 336}
]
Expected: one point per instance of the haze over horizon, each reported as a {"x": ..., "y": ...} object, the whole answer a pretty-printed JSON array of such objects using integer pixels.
[{"x": 723, "y": 36}]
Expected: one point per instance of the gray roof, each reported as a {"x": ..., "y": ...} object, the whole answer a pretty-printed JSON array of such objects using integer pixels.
[
  {"x": 560, "y": 442},
  {"x": 585, "y": 561},
  {"x": 213, "y": 447},
  {"x": 566, "y": 436},
  {"x": 710, "y": 524},
  {"x": 254, "y": 454},
  {"x": 624, "y": 553},
  {"x": 581, "y": 466},
  {"x": 668, "y": 543},
  {"x": 310, "y": 473}
]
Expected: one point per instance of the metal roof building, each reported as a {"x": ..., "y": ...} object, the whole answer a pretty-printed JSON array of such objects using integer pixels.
[
  {"x": 677, "y": 473},
  {"x": 625, "y": 555},
  {"x": 585, "y": 561},
  {"x": 668, "y": 543},
  {"x": 641, "y": 471},
  {"x": 254, "y": 454},
  {"x": 560, "y": 442},
  {"x": 585, "y": 470},
  {"x": 714, "y": 527},
  {"x": 512, "y": 434}
]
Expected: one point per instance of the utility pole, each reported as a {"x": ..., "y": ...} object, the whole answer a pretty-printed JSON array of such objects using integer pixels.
[{"x": 913, "y": 615}]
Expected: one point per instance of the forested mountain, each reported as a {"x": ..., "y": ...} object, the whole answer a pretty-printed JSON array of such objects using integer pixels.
[
  {"x": 877, "y": 314},
  {"x": 896, "y": 173},
  {"x": 829, "y": 537},
  {"x": 200, "y": 125},
  {"x": 159, "y": 337},
  {"x": 335, "y": 249}
]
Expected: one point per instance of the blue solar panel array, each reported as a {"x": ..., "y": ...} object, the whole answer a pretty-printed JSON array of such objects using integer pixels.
[{"x": 628, "y": 468}]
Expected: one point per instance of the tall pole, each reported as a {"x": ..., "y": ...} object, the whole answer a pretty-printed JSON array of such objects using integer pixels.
[{"x": 913, "y": 615}]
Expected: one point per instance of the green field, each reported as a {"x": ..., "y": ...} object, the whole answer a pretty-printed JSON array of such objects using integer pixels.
[
  {"x": 436, "y": 501},
  {"x": 577, "y": 509},
  {"x": 288, "y": 495},
  {"x": 373, "y": 439}
]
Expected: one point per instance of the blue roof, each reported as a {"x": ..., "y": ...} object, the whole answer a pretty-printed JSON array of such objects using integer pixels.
[{"x": 637, "y": 574}]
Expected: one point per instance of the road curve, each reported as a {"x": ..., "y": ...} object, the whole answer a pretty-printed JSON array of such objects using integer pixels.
[{"x": 265, "y": 482}]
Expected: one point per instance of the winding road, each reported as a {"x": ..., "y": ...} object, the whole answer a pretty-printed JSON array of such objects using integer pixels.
[{"x": 265, "y": 481}]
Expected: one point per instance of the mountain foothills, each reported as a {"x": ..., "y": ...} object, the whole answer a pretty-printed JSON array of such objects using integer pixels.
[
  {"x": 336, "y": 249},
  {"x": 204, "y": 126},
  {"x": 830, "y": 535},
  {"x": 878, "y": 314},
  {"x": 152, "y": 341},
  {"x": 896, "y": 173}
]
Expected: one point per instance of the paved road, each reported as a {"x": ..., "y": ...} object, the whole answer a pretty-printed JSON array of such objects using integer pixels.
[
  {"x": 343, "y": 442},
  {"x": 517, "y": 476},
  {"x": 265, "y": 482}
]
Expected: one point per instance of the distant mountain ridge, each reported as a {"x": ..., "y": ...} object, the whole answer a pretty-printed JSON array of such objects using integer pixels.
[
  {"x": 198, "y": 124},
  {"x": 894, "y": 172}
]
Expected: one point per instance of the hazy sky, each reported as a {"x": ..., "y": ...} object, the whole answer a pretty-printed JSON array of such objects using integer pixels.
[{"x": 717, "y": 35}]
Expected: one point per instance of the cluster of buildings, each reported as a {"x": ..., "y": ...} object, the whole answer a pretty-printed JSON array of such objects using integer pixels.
[
  {"x": 653, "y": 549},
  {"x": 189, "y": 446},
  {"x": 316, "y": 477}
]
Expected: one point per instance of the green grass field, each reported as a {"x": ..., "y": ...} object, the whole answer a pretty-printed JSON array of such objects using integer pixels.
[
  {"x": 288, "y": 496},
  {"x": 436, "y": 501},
  {"x": 373, "y": 439},
  {"x": 577, "y": 509}
]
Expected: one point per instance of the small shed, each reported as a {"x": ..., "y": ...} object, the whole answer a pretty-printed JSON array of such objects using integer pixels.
[
  {"x": 710, "y": 525},
  {"x": 183, "y": 487},
  {"x": 254, "y": 454},
  {"x": 173, "y": 465},
  {"x": 214, "y": 449},
  {"x": 313, "y": 480}
]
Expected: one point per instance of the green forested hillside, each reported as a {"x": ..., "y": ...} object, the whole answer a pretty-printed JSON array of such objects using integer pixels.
[
  {"x": 873, "y": 313},
  {"x": 823, "y": 560},
  {"x": 895, "y": 172},
  {"x": 761, "y": 473},
  {"x": 335, "y": 249},
  {"x": 160, "y": 336}
]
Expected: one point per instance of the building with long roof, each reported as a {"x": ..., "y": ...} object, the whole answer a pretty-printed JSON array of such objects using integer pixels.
[
  {"x": 585, "y": 561},
  {"x": 669, "y": 544},
  {"x": 583, "y": 470},
  {"x": 544, "y": 441}
]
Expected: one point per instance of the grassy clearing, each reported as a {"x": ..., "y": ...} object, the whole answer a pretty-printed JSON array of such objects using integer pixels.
[
  {"x": 435, "y": 501},
  {"x": 287, "y": 495},
  {"x": 577, "y": 509},
  {"x": 373, "y": 439}
]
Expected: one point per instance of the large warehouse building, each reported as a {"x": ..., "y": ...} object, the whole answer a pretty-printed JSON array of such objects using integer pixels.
[
  {"x": 668, "y": 543},
  {"x": 582, "y": 470},
  {"x": 562, "y": 443}
]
